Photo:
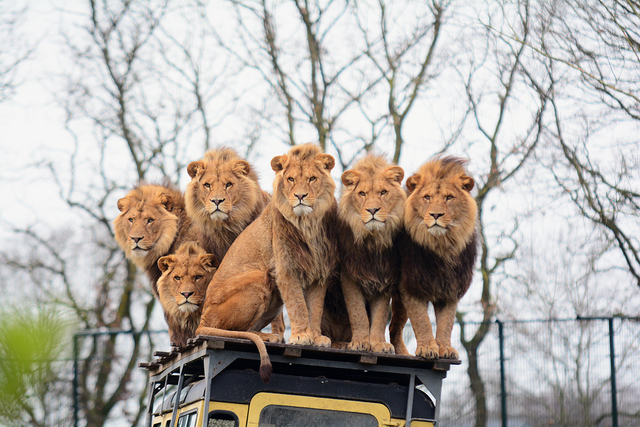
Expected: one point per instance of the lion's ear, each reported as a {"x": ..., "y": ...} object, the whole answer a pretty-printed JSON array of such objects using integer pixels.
[
  {"x": 467, "y": 183},
  {"x": 123, "y": 204},
  {"x": 167, "y": 201},
  {"x": 241, "y": 167},
  {"x": 278, "y": 162},
  {"x": 194, "y": 168},
  {"x": 165, "y": 262},
  {"x": 394, "y": 173},
  {"x": 327, "y": 160},
  {"x": 350, "y": 178},
  {"x": 412, "y": 182},
  {"x": 208, "y": 262}
]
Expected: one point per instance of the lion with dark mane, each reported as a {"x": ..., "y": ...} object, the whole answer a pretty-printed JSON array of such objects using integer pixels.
[
  {"x": 152, "y": 223},
  {"x": 286, "y": 255},
  {"x": 438, "y": 253},
  {"x": 370, "y": 216}
]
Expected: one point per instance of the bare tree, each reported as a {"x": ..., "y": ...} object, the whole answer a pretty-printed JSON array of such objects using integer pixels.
[{"x": 15, "y": 48}]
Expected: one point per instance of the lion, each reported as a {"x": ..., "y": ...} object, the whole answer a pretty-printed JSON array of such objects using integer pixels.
[
  {"x": 285, "y": 256},
  {"x": 437, "y": 252},
  {"x": 152, "y": 223},
  {"x": 222, "y": 199},
  {"x": 370, "y": 216},
  {"x": 182, "y": 288}
]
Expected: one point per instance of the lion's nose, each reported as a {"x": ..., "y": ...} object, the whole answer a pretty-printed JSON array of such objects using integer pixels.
[
  {"x": 217, "y": 201},
  {"x": 186, "y": 295},
  {"x": 301, "y": 196},
  {"x": 136, "y": 239},
  {"x": 373, "y": 211},
  {"x": 436, "y": 215}
]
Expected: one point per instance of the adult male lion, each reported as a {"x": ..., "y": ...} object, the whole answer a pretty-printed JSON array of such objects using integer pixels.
[
  {"x": 152, "y": 223},
  {"x": 223, "y": 197},
  {"x": 288, "y": 254},
  {"x": 370, "y": 216},
  {"x": 182, "y": 289},
  {"x": 437, "y": 254}
]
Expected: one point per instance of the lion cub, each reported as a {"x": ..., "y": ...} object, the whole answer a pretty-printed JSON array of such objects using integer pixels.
[
  {"x": 182, "y": 289},
  {"x": 370, "y": 216},
  {"x": 437, "y": 253}
]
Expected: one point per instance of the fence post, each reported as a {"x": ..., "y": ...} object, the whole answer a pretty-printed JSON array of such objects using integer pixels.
[
  {"x": 503, "y": 388},
  {"x": 614, "y": 391},
  {"x": 75, "y": 380}
]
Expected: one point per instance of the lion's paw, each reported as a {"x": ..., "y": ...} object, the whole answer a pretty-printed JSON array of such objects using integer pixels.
[
  {"x": 359, "y": 345},
  {"x": 321, "y": 341},
  {"x": 383, "y": 347},
  {"x": 272, "y": 338},
  {"x": 429, "y": 351},
  {"x": 447, "y": 352},
  {"x": 303, "y": 338}
]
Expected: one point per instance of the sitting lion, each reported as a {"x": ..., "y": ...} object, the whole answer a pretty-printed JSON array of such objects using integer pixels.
[
  {"x": 437, "y": 253},
  {"x": 222, "y": 199},
  {"x": 152, "y": 223},
  {"x": 287, "y": 254},
  {"x": 370, "y": 216},
  {"x": 182, "y": 288}
]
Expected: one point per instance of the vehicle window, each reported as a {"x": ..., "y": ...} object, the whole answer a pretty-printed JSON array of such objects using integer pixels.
[
  {"x": 222, "y": 419},
  {"x": 188, "y": 420},
  {"x": 289, "y": 416}
]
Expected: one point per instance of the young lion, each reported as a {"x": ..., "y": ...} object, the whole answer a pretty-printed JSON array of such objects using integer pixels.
[
  {"x": 288, "y": 254},
  {"x": 182, "y": 288},
  {"x": 222, "y": 199},
  {"x": 152, "y": 223},
  {"x": 370, "y": 212},
  {"x": 437, "y": 254}
]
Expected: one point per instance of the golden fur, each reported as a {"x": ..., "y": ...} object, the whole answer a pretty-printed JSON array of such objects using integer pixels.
[
  {"x": 223, "y": 197},
  {"x": 438, "y": 253},
  {"x": 182, "y": 289},
  {"x": 286, "y": 254},
  {"x": 371, "y": 213},
  {"x": 152, "y": 223}
]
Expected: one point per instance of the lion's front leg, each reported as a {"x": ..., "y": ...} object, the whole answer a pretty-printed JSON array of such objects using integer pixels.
[
  {"x": 315, "y": 304},
  {"x": 357, "y": 311},
  {"x": 419, "y": 316},
  {"x": 379, "y": 314},
  {"x": 445, "y": 318},
  {"x": 294, "y": 301},
  {"x": 396, "y": 327}
]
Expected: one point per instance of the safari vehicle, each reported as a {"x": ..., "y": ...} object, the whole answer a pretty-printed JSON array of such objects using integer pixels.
[{"x": 217, "y": 384}]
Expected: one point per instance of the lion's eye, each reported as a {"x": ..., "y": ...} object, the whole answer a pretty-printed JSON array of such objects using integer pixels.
[
  {"x": 207, "y": 185},
  {"x": 150, "y": 221},
  {"x": 449, "y": 198},
  {"x": 198, "y": 277},
  {"x": 228, "y": 184},
  {"x": 290, "y": 179},
  {"x": 362, "y": 193},
  {"x": 427, "y": 197},
  {"x": 131, "y": 220},
  {"x": 176, "y": 278},
  {"x": 313, "y": 178},
  {"x": 383, "y": 192}
]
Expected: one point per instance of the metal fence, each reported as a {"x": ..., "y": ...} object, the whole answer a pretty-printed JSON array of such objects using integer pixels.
[{"x": 536, "y": 373}]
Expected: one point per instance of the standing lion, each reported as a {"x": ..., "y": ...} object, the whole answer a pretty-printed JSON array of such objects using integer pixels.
[
  {"x": 370, "y": 216},
  {"x": 286, "y": 255},
  {"x": 438, "y": 253}
]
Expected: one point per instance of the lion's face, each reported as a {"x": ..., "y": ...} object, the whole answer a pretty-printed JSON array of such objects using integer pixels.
[
  {"x": 372, "y": 200},
  {"x": 441, "y": 214},
  {"x": 146, "y": 226},
  {"x": 217, "y": 187},
  {"x": 303, "y": 185},
  {"x": 185, "y": 277}
]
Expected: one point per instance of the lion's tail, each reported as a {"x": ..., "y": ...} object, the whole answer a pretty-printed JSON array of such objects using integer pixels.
[{"x": 265, "y": 364}]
